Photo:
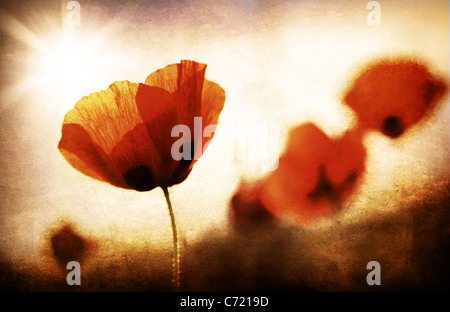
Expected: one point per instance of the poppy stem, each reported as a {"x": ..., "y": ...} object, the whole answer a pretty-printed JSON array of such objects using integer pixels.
[{"x": 176, "y": 254}]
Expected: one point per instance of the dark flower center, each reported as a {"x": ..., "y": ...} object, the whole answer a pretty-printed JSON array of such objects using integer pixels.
[
  {"x": 324, "y": 188},
  {"x": 392, "y": 127},
  {"x": 140, "y": 178}
]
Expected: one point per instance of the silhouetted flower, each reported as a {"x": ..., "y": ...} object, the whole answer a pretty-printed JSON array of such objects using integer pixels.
[{"x": 122, "y": 135}]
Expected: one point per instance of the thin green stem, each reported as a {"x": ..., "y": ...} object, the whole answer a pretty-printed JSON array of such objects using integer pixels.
[{"x": 176, "y": 253}]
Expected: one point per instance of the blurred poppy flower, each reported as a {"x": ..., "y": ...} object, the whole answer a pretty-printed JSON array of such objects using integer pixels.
[
  {"x": 68, "y": 245},
  {"x": 122, "y": 135},
  {"x": 315, "y": 175},
  {"x": 247, "y": 211},
  {"x": 392, "y": 96}
]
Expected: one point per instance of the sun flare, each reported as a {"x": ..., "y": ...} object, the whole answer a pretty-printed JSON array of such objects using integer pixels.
[{"x": 69, "y": 67}]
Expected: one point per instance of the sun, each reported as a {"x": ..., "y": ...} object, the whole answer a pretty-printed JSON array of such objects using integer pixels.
[
  {"x": 62, "y": 64},
  {"x": 69, "y": 67}
]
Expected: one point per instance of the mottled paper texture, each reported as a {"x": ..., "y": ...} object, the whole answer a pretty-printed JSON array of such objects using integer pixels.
[{"x": 281, "y": 64}]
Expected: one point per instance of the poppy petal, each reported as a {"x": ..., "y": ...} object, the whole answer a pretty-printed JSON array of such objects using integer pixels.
[
  {"x": 308, "y": 145},
  {"x": 158, "y": 110},
  {"x": 346, "y": 163},
  {"x": 213, "y": 101},
  {"x": 348, "y": 155},
  {"x": 136, "y": 149},
  {"x": 193, "y": 96},
  {"x": 185, "y": 80},
  {"x": 87, "y": 157},
  {"x": 107, "y": 115},
  {"x": 165, "y": 78},
  {"x": 153, "y": 101}
]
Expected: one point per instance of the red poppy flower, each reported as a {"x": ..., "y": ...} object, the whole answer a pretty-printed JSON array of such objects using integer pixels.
[
  {"x": 123, "y": 135},
  {"x": 315, "y": 174},
  {"x": 392, "y": 96}
]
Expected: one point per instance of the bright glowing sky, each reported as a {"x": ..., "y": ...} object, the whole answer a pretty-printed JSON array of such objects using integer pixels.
[{"x": 281, "y": 64}]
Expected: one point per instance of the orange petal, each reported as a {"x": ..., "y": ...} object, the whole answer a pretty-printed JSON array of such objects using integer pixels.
[
  {"x": 173, "y": 76},
  {"x": 107, "y": 115},
  {"x": 152, "y": 102},
  {"x": 213, "y": 100},
  {"x": 193, "y": 96},
  {"x": 138, "y": 160},
  {"x": 346, "y": 163},
  {"x": 308, "y": 145},
  {"x": 87, "y": 157},
  {"x": 185, "y": 80},
  {"x": 347, "y": 155},
  {"x": 158, "y": 110},
  {"x": 165, "y": 78}
]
